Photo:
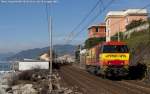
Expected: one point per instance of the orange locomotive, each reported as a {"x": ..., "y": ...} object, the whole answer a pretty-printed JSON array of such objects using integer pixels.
[{"x": 108, "y": 59}]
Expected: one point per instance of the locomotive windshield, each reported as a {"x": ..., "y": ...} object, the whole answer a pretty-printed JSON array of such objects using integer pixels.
[{"x": 115, "y": 49}]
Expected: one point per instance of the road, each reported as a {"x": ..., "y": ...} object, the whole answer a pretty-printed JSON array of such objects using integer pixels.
[{"x": 91, "y": 84}]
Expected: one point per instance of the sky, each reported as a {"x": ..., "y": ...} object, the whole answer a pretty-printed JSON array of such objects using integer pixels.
[{"x": 25, "y": 26}]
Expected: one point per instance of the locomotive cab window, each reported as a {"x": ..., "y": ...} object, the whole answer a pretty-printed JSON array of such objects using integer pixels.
[{"x": 115, "y": 49}]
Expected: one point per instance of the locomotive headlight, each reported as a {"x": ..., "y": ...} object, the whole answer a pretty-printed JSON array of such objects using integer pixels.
[
  {"x": 109, "y": 63},
  {"x": 122, "y": 63}
]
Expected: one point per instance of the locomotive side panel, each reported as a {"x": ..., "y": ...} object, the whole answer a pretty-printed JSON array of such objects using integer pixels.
[{"x": 92, "y": 57}]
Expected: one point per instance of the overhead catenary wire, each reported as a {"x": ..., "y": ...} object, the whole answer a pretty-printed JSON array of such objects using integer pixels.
[
  {"x": 83, "y": 20},
  {"x": 95, "y": 17}
]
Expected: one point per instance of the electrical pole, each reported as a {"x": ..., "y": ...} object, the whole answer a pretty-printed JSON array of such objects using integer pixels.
[
  {"x": 118, "y": 33},
  {"x": 149, "y": 28},
  {"x": 118, "y": 36},
  {"x": 50, "y": 44},
  {"x": 50, "y": 30}
]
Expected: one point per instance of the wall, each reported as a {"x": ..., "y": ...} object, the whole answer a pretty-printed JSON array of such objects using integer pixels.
[
  {"x": 116, "y": 24},
  {"x": 101, "y": 32},
  {"x": 31, "y": 65}
]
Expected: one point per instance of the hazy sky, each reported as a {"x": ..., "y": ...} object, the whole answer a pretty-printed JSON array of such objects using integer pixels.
[{"x": 24, "y": 26}]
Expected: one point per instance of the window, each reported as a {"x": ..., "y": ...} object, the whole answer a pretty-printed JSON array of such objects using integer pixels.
[
  {"x": 97, "y": 29},
  {"x": 115, "y": 49}
]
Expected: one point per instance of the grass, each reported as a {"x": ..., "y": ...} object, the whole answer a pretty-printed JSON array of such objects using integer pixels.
[{"x": 138, "y": 38}]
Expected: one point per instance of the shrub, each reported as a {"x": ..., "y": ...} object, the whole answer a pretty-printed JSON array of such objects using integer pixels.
[
  {"x": 115, "y": 37},
  {"x": 138, "y": 71},
  {"x": 25, "y": 75},
  {"x": 89, "y": 43},
  {"x": 135, "y": 23}
]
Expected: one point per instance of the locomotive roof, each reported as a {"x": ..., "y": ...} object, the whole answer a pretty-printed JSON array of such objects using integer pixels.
[
  {"x": 114, "y": 43},
  {"x": 110, "y": 43}
]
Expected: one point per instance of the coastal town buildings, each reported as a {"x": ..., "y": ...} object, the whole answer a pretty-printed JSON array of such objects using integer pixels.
[
  {"x": 116, "y": 21},
  {"x": 97, "y": 31}
]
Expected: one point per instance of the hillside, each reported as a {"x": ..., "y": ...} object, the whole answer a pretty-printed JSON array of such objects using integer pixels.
[
  {"x": 64, "y": 49},
  {"x": 35, "y": 53},
  {"x": 139, "y": 45}
]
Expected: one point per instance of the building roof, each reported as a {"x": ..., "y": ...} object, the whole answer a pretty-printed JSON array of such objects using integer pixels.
[
  {"x": 120, "y": 13},
  {"x": 127, "y": 12},
  {"x": 102, "y": 24},
  {"x": 114, "y": 43},
  {"x": 136, "y": 11},
  {"x": 97, "y": 25}
]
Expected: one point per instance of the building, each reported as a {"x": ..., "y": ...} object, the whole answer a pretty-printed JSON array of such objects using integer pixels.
[
  {"x": 44, "y": 57},
  {"x": 97, "y": 31},
  {"x": 116, "y": 21},
  {"x": 29, "y": 65},
  {"x": 66, "y": 59}
]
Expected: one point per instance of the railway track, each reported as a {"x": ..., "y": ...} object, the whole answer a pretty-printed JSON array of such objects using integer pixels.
[{"x": 90, "y": 84}]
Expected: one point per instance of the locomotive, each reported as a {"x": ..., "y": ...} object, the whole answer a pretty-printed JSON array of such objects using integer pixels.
[{"x": 108, "y": 59}]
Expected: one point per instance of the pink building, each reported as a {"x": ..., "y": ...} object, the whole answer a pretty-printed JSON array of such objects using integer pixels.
[
  {"x": 97, "y": 31},
  {"x": 116, "y": 21}
]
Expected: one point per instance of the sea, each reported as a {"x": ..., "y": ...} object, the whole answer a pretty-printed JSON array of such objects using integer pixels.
[{"x": 5, "y": 66}]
